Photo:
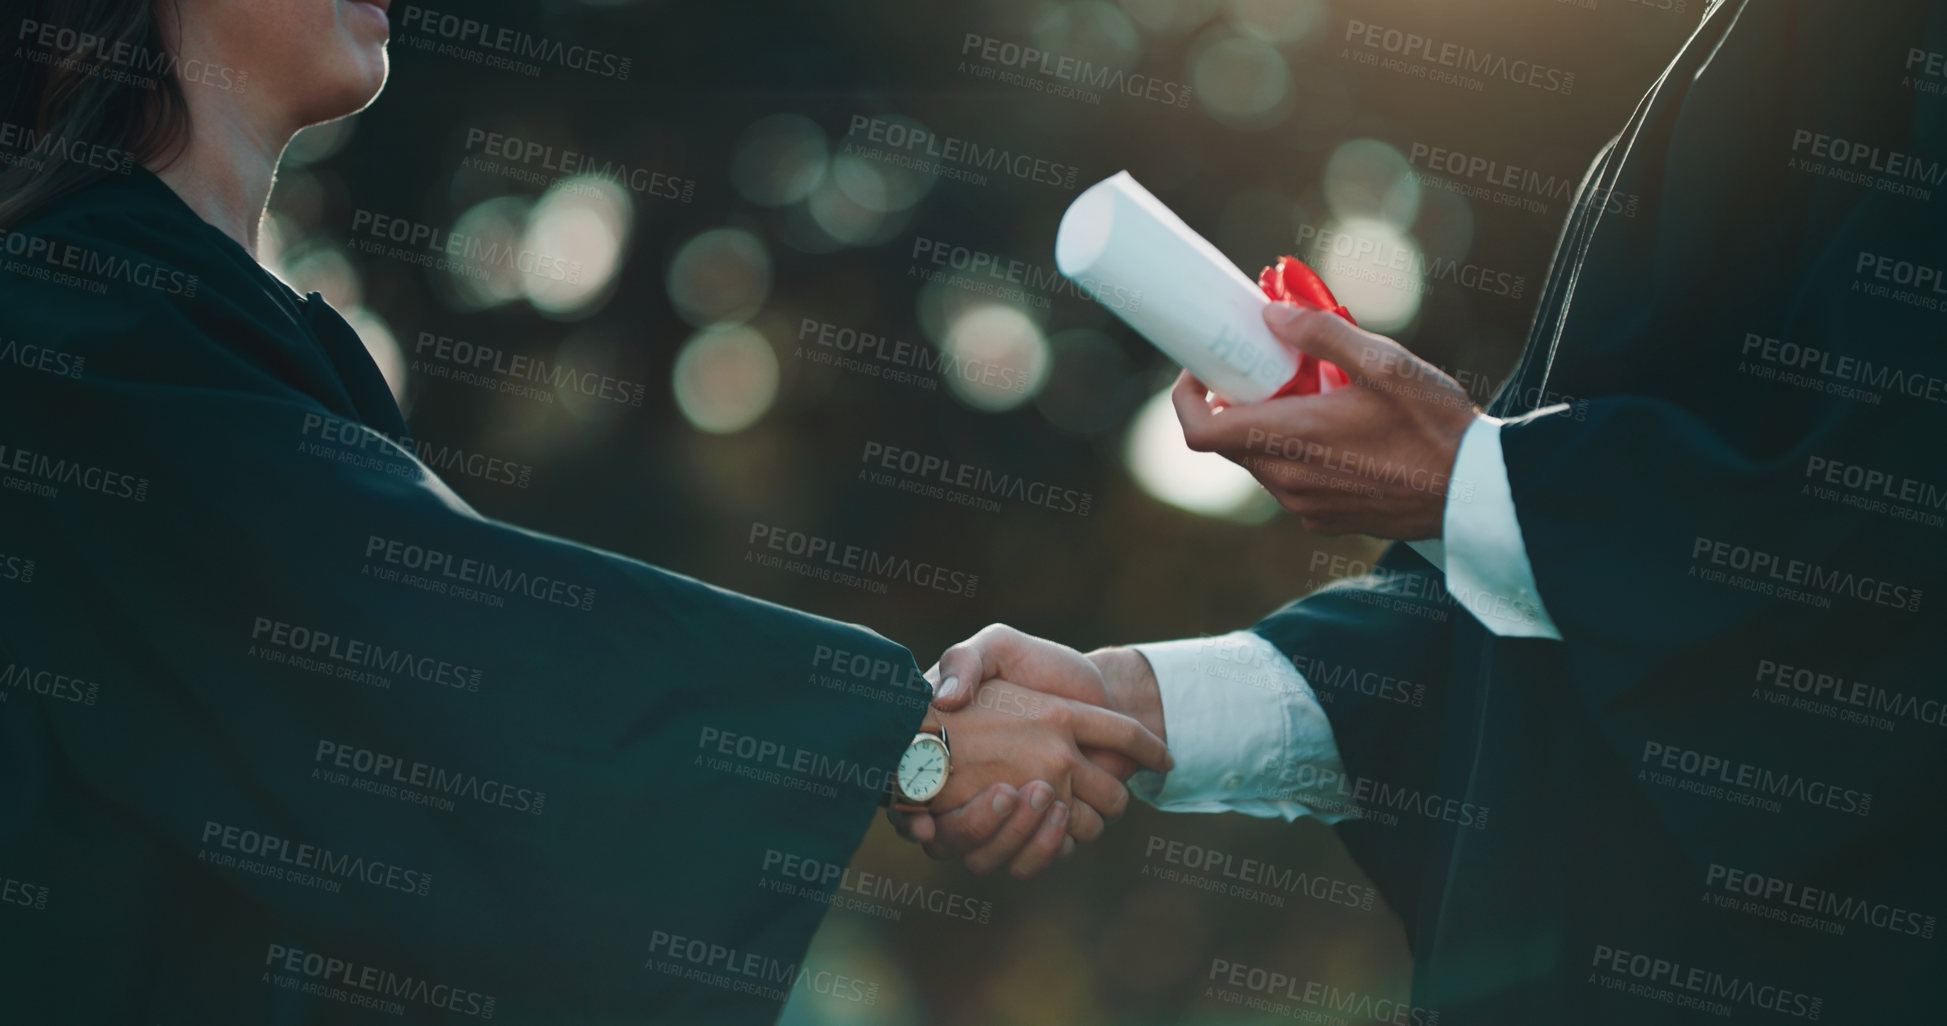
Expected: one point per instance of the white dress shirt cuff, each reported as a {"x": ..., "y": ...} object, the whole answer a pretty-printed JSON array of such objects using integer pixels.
[
  {"x": 1482, "y": 553},
  {"x": 1242, "y": 725}
]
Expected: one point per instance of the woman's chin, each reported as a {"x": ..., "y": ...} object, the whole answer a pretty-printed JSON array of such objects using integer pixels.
[{"x": 348, "y": 98}]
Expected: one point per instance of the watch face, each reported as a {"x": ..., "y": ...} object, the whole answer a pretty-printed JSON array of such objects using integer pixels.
[{"x": 922, "y": 770}]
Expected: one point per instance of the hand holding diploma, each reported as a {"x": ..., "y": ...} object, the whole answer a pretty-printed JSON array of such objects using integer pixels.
[
  {"x": 1179, "y": 292},
  {"x": 1370, "y": 458},
  {"x": 1346, "y": 428}
]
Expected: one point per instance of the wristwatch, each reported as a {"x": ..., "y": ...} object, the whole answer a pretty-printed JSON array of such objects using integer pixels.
[{"x": 922, "y": 770}]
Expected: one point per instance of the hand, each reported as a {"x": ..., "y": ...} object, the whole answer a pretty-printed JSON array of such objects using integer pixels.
[
  {"x": 1370, "y": 458},
  {"x": 999, "y": 826},
  {"x": 1013, "y": 733}
]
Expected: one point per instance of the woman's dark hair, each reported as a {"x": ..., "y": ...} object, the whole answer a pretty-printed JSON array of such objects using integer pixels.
[{"x": 91, "y": 91}]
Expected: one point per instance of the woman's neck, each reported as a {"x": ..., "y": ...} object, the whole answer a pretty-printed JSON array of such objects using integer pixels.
[{"x": 229, "y": 164}]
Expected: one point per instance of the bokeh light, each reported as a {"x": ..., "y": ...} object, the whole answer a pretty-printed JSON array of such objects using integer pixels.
[
  {"x": 1091, "y": 31},
  {"x": 1374, "y": 268},
  {"x": 495, "y": 226},
  {"x": 879, "y": 186},
  {"x": 997, "y": 357},
  {"x": 585, "y": 219},
  {"x": 1169, "y": 17},
  {"x": 317, "y": 142},
  {"x": 1279, "y": 21},
  {"x": 779, "y": 160},
  {"x": 1369, "y": 179},
  {"x": 725, "y": 378},
  {"x": 384, "y": 347},
  {"x": 852, "y": 211},
  {"x": 1243, "y": 82},
  {"x": 1172, "y": 472},
  {"x": 723, "y": 274},
  {"x": 319, "y": 266}
]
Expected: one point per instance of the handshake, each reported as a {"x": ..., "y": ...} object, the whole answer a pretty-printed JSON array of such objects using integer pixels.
[{"x": 1043, "y": 739}]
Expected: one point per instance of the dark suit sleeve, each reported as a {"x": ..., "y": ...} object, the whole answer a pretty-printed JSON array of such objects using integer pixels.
[
  {"x": 1717, "y": 375},
  {"x": 1377, "y": 651},
  {"x": 297, "y": 731}
]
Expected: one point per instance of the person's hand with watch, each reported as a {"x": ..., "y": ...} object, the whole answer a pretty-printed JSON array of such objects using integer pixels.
[{"x": 1031, "y": 771}]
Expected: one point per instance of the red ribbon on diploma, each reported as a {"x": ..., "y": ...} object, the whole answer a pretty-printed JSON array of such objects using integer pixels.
[{"x": 1290, "y": 281}]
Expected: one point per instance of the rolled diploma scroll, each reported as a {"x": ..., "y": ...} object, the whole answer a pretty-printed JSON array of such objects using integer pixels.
[{"x": 1188, "y": 300}]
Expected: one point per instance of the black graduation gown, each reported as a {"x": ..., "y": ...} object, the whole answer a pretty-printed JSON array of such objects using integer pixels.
[
  {"x": 290, "y": 734},
  {"x": 1721, "y": 793}
]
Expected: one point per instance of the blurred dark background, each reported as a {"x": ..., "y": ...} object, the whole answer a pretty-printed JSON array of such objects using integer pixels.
[{"x": 713, "y": 199}]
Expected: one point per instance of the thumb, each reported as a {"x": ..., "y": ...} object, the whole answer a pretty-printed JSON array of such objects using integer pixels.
[
  {"x": 1327, "y": 336},
  {"x": 956, "y": 677}
]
